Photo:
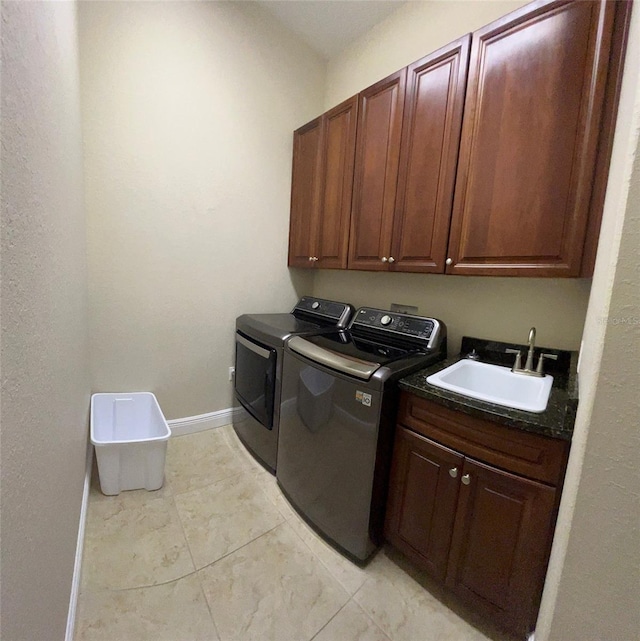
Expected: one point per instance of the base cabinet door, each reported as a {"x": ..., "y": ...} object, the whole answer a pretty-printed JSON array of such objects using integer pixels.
[
  {"x": 474, "y": 503},
  {"x": 500, "y": 544},
  {"x": 421, "y": 508}
]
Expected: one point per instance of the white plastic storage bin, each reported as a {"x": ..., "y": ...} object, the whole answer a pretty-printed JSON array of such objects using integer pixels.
[{"x": 130, "y": 435}]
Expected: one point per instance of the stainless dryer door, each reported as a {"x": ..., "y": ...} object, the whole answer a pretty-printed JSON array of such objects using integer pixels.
[
  {"x": 255, "y": 379},
  {"x": 327, "y": 450}
]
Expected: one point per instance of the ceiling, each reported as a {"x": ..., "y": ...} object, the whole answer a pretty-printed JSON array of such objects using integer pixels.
[{"x": 328, "y": 26}]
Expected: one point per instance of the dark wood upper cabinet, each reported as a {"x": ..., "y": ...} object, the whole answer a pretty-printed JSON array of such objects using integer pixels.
[
  {"x": 336, "y": 183},
  {"x": 428, "y": 158},
  {"x": 531, "y": 124},
  {"x": 607, "y": 128},
  {"x": 488, "y": 157},
  {"x": 379, "y": 129},
  {"x": 305, "y": 198},
  {"x": 322, "y": 180}
]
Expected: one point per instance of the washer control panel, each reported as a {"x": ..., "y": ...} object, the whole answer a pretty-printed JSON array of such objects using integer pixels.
[{"x": 405, "y": 325}]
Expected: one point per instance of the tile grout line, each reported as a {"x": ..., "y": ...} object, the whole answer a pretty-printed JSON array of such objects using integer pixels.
[
  {"x": 184, "y": 533},
  {"x": 184, "y": 576},
  {"x": 330, "y": 620},
  {"x": 172, "y": 496},
  {"x": 215, "y": 627},
  {"x": 224, "y": 439},
  {"x": 202, "y": 487},
  {"x": 244, "y": 545},
  {"x": 214, "y": 562},
  {"x": 368, "y": 616},
  {"x": 324, "y": 565}
]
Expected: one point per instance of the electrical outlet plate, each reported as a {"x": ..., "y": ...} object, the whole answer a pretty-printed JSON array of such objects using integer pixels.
[
  {"x": 404, "y": 309},
  {"x": 232, "y": 373}
]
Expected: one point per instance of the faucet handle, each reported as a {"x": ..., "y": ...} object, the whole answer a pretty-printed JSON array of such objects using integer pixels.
[
  {"x": 518, "y": 353},
  {"x": 553, "y": 357}
]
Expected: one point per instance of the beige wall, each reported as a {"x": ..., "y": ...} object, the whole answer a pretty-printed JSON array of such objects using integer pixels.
[
  {"x": 593, "y": 586},
  {"x": 45, "y": 378},
  {"x": 494, "y": 308},
  {"x": 188, "y": 114},
  {"x": 411, "y": 32}
]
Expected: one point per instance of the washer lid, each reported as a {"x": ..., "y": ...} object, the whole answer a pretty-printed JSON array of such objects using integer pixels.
[
  {"x": 341, "y": 363},
  {"x": 344, "y": 352}
]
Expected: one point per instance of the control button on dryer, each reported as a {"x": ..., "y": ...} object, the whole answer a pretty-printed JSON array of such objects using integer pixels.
[
  {"x": 386, "y": 319},
  {"x": 315, "y": 304}
]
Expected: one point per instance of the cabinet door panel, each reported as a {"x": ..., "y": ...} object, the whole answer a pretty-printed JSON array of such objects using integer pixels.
[
  {"x": 607, "y": 130},
  {"x": 339, "y": 141},
  {"x": 428, "y": 158},
  {"x": 303, "y": 224},
  {"x": 422, "y": 499},
  {"x": 380, "y": 110},
  {"x": 501, "y": 543},
  {"x": 531, "y": 123}
]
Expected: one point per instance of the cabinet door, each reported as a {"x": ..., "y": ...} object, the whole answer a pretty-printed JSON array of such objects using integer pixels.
[
  {"x": 428, "y": 158},
  {"x": 338, "y": 152},
  {"x": 527, "y": 155},
  {"x": 305, "y": 182},
  {"x": 380, "y": 110},
  {"x": 422, "y": 499},
  {"x": 501, "y": 543}
]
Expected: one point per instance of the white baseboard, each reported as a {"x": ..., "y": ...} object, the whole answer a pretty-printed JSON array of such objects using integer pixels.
[
  {"x": 77, "y": 566},
  {"x": 191, "y": 424}
]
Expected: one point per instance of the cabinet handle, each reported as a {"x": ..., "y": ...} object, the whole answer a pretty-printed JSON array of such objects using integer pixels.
[
  {"x": 310, "y": 257},
  {"x": 315, "y": 259},
  {"x": 453, "y": 472},
  {"x": 449, "y": 261},
  {"x": 384, "y": 259},
  {"x": 466, "y": 479},
  {"x": 392, "y": 259}
]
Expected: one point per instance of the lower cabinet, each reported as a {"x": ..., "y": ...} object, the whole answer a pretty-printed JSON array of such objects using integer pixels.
[{"x": 483, "y": 530}]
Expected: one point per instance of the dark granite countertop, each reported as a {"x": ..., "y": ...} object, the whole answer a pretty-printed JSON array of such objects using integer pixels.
[{"x": 556, "y": 421}]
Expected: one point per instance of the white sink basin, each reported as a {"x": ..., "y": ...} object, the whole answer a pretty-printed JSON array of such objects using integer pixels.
[{"x": 495, "y": 384}]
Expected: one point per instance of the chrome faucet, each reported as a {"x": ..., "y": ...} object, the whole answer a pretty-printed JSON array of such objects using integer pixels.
[{"x": 528, "y": 367}]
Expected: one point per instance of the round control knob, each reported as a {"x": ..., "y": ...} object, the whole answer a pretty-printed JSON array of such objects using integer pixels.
[
  {"x": 315, "y": 305},
  {"x": 448, "y": 261},
  {"x": 386, "y": 319}
]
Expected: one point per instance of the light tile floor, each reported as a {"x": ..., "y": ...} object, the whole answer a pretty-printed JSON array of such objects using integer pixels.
[{"x": 219, "y": 554}]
